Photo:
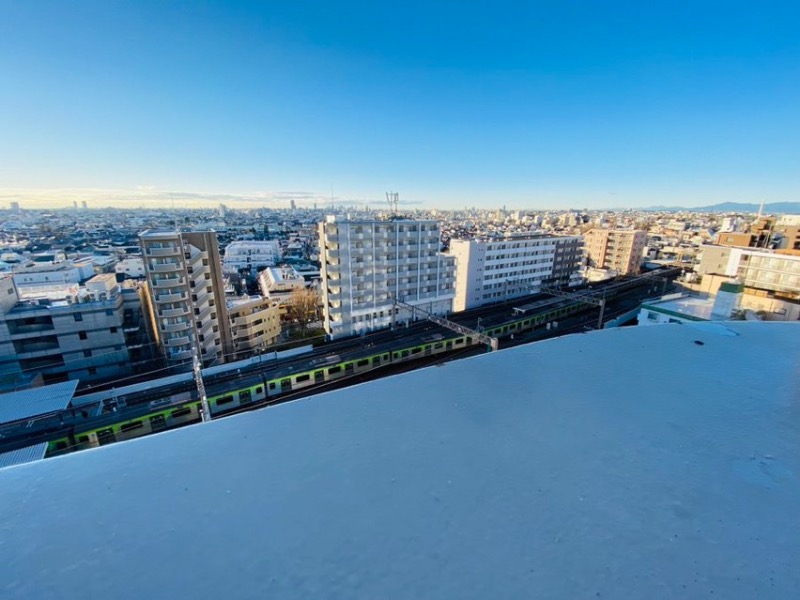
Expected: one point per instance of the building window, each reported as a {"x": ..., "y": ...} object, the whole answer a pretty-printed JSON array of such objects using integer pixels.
[
  {"x": 82, "y": 335},
  {"x": 87, "y": 353},
  {"x": 109, "y": 311},
  {"x": 92, "y": 370},
  {"x": 78, "y": 316},
  {"x": 112, "y": 330}
]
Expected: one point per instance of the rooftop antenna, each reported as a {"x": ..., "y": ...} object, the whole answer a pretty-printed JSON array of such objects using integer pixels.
[
  {"x": 761, "y": 208},
  {"x": 393, "y": 198}
]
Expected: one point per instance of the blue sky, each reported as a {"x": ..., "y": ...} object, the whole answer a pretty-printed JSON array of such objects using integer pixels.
[{"x": 535, "y": 104}]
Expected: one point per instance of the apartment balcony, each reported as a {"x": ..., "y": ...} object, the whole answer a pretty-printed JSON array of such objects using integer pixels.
[
  {"x": 177, "y": 341},
  {"x": 169, "y": 282},
  {"x": 334, "y": 254},
  {"x": 173, "y": 312},
  {"x": 19, "y": 329},
  {"x": 176, "y": 327},
  {"x": 167, "y": 268},
  {"x": 173, "y": 297},
  {"x": 199, "y": 269},
  {"x": 179, "y": 355},
  {"x": 23, "y": 349},
  {"x": 163, "y": 251}
]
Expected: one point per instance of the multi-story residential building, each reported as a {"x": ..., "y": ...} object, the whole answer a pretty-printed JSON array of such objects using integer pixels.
[
  {"x": 774, "y": 272},
  {"x": 186, "y": 294},
  {"x": 279, "y": 283},
  {"x": 505, "y": 268},
  {"x": 35, "y": 277},
  {"x": 367, "y": 265},
  {"x": 255, "y": 324},
  {"x": 251, "y": 255},
  {"x": 618, "y": 250},
  {"x": 77, "y": 334}
]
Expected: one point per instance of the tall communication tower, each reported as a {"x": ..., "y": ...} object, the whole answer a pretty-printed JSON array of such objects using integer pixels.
[{"x": 393, "y": 198}]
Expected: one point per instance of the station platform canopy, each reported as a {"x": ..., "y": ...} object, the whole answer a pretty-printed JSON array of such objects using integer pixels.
[{"x": 36, "y": 402}]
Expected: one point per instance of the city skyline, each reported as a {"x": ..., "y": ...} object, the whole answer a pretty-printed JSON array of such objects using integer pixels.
[{"x": 546, "y": 106}]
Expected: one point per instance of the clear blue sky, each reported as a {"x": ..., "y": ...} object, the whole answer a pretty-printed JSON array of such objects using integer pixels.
[{"x": 530, "y": 104}]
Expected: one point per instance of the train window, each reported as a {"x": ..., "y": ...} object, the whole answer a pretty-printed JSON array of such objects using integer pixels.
[
  {"x": 376, "y": 360},
  {"x": 61, "y": 445},
  {"x": 416, "y": 350},
  {"x": 224, "y": 400},
  {"x": 245, "y": 396},
  {"x": 362, "y": 363},
  {"x": 459, "y": 341},
  {"x": 438, "y": 346},
  {"x": 404, "y": 353},
  {"x": 158, "y": 422},
  {"x": 83, "y": 439},
  {"x": 130, "y": 426},
  {"x": 348, "y": 367},
  {"x": 385, "y": 357},
  {"x": 304, "y": 377},
  {"x": 286, "y": 384},
  {"x": 181, "y": 412},
  {"x": 106, "y": 436},
  {"x": 272, "y": 385},
  {"x": 260, "y": 390},
  {"x": 333, "y": 370}
]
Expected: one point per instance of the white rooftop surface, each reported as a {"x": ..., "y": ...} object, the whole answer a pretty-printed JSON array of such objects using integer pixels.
[
  {"x": 689, "y": 306},
  {"x": 24, "y": 404},
  {"x": 630, "y": 463}
]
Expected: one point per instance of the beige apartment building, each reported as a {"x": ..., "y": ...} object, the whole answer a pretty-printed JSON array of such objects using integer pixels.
[
  {"x": 255, "y": 324},
  {"x": 186, "y": 295},
  {"x": 617, "y": 250}
]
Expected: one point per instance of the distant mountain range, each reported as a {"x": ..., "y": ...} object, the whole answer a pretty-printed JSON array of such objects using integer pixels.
[{"x": 741, "y": 207}]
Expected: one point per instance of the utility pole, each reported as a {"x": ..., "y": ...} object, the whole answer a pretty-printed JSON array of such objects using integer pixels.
[{"x": 197, "y": 367}]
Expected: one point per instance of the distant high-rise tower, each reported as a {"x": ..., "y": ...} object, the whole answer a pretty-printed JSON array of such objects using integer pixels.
[
  {"x": 15, "y": 207},
  {"x": 221, "y": 210},
  {"x": 84, "y": 206},
  {"x": 293, "y": 205},
  {"x": 75, "y": 204},
  {"x": 187, "y": 295}
]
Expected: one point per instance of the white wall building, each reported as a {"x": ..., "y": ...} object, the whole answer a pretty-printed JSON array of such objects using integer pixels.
[
  {"x": 251, "y": 255},
  {"x": 495, "y": 270},
  {"x": 132, "y": 267},
  {"x": 366, "y": 265}
]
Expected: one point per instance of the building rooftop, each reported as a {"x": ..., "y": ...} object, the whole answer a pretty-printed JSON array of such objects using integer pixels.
[
  {"x": 656, "y": 462},
  {"x": 688, "y": 307}
]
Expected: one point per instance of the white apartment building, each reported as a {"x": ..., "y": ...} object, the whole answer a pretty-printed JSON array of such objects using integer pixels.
[
  {"x": 187, "y": 294},
  {"x": 251, "y": 255},
  {"x": 501, "y": 269},
  {"x": 618, "y": 250},
  {"x": 131, "y": 266},
  {"x": 366, "y": 265},
  {"x": 774, "y": 272}
]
